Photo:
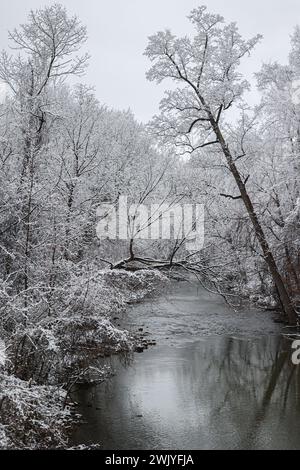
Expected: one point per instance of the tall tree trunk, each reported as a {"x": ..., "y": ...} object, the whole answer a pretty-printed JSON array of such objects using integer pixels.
[{"x": 268, "y": 256}]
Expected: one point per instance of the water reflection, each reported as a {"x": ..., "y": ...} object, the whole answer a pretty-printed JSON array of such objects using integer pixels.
[{"x": 218, "y": 393}]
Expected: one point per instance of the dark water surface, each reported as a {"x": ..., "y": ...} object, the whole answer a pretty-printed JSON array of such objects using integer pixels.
[{"x": 216, "y": 380}]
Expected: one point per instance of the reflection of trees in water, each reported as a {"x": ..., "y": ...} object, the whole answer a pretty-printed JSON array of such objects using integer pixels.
[
  {"x": 282, "y": 381},
  {"x": 247, "y": 377}
]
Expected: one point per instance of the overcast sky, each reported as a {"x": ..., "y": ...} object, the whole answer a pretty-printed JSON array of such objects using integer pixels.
[{"x": 118, "y": 31}]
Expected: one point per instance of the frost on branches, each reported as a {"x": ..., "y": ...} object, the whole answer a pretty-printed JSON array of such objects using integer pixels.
[{"x": 32, "y": 416}]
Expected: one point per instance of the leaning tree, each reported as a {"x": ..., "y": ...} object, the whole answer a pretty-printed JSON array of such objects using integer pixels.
[{"x": 206, "y": 70}]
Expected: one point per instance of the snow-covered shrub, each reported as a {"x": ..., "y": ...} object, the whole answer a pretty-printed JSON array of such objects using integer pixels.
[
  {"x": 81, "y": 332},
  {"x": 135, "y": 285},
  {"x": 106, "y": 292},
  {"x": 32, "y": 416},
  {"x": 53, "y": 353}
]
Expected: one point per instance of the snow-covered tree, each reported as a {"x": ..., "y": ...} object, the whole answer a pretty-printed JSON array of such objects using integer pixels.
[{"x": 206, "y": 68}]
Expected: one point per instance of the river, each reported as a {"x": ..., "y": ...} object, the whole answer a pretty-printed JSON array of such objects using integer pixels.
[{"x": 215, "y": 380}]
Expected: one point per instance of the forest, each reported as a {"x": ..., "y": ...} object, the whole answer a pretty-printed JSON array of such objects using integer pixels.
[{"x": 63, "y": 154}]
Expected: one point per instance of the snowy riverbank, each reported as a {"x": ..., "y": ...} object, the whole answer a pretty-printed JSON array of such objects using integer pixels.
[{"x": 40, "y": 363}]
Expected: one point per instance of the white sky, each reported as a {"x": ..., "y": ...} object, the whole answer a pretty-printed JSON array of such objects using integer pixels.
[{"x": 118, "y": 31}]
